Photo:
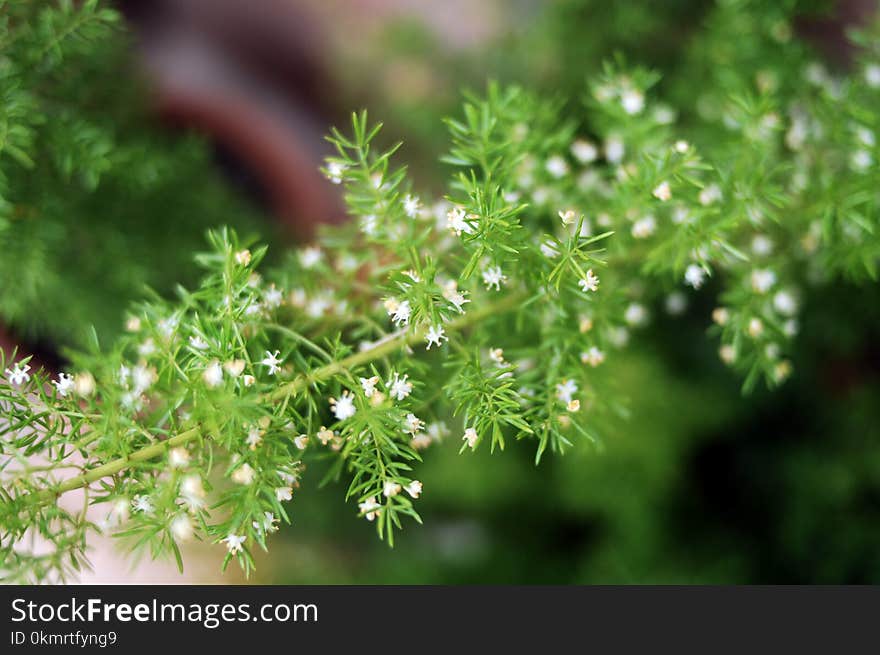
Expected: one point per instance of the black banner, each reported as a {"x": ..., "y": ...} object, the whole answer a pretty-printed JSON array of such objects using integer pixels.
[{"x": 411, "y": 619}]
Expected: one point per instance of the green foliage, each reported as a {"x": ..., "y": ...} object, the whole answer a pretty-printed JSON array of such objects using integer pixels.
[{"x": 497, "y": 304}]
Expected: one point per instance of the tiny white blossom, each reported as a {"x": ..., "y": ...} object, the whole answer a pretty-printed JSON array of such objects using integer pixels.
[
  {"x": 644, "y": 227},
  {"x": 593, "y": 357},
  {"x": 662, "y": 192},
  {"x": 861, "y": 160},
  {"x": 435, "y": 336},
  {"x": 213, "y": 374},
  {"x": 458, "y": 299},
  {"x": 784, "y": 303},
  {"x": 234, "y": 367},
  {"x": 178, "y": 457},
  {"x": 369, "y": 224},
  {"x": 413, "y": 424},
  {"x": 456, "y": 222},
  {"x": 271, "y": 360},
  {"x": 414, "y": 488},
  {"x": 614, "y": 149},
  {"x": 567, "y": 217},
  {"x": 762, "y": 245},
  {"x": 721, "y": 315},
  {"x": 273, "y": 297},
  {"x": 18, "y": 374},
  {"x": 64, "y": 384},
  {"x": 301, "y": 441},
  {"x": 497, "y": 356},
  {"x": 198, "y": 343},
  {"x": 401, "y": 313},
  {"x": 142, "y": 504},
  {"x": 284, "y": 493},
  {"x": 710, "y": 195},
  {"x": 370, "y": 508},
  {"x": 589, "y": 283},
  {"x": 584, "y": 151},
  {"x": 494, "y": 277},
  {"x": 471, "y": 437},
  {"x": 336, "y": 171},
  {"x": 756, "y": 327},
  {"x": 310, "y": 257},
  {"x": 369, "y": 385},
  {"x": 411, "y": 205},
  {"x": 727, "y": 354},
  {"x": 399, "y": 388},
  {"x": 681, "y": 147},
  {"x": 254, "y": 438},
  {"x": 632, "y": 101},
  {"x": 872, "y": 75},
  {"x": 343, "y": 408},
  {"x": 565, "y": 390},
  {"x": 244, "y": 474},
  {"x": 243, "y": 257},
  {"x": 762, "y": 280},
  {"x": 676, "y": 303},
  {"x": 694, "y": 276},
  {"x": 234, "y": 543},
  {"x": 635, "y": 314},
  {"x": 556, "y": 166},
  {"x": 391, "y": 488},
  {"x": 181, "y": 527},
  {"x": 268, "y": 524}
]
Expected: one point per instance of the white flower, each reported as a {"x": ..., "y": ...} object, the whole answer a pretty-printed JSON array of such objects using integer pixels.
[
  {"x": 213, "y": 374},
  {"x": 273, "y": 297},
  {"x": 370, "y": 508},
  {"x": 614, "y": 149},
  {"x": 181, "y": 527},
  {"x": 549, "y": 249},
  {"x": 142, "y": 504},
  {"x": 644, "y": 227},
  {"x": 471, "y": 437},
  {"x": 872, "y": 75},
  {"x": 268, "y": 524},
  {"x": 133, "y": 324},
  {"x": 248, "y": 380},
  {"x": 676, "y": 303},
  {"x": 399, "y": 388},
  {"x": 727, "y": 354},
  {"x": 18, "y": 374},
  {"x": 369, "y": 385},
  {"x": 565, "y": 390},
  {"x": 414, "y": 488},
  {"x": 458, "y": 299},
  {"x": 556, "y": 166},
  {"x": 632, "y": 101},
  {"x": 147, "y": 348},
  {"x": 254, "y": 438},
  {"x": 662, "y": 192},
  {"x": 369, "y": 224},
  {"x": 456, "y": 222},
  {"x": 567, "y": 217},
  {"x": 694, "y": 276},
  {"x": 584, "y": 151},
  {"x": 178, "y": 457},
  {"x": 64, "y": 384},
  {"x": 762, "y": 280},
  {"x": 589, "y": 283},
  {"x": 284, "y": 493},
  {"x": 192, "y": 491},
  {"x": 343, "y": 407},
  {"x": 401, "y": 313},
  {"x": 762, "y": 245},
  {"x": 413, "y": 424},
  {"x": 335, "y": 171},
  {"x": 711, "y": 194},
  {"x": 310, "y": 257},
  {"x": 391, "y": 488},
  {"x": 756, "y": 327},
  {"x": 721, "y": 315},
  {"x": 494, "y": 277},
  {"x": 243, "y": 257},
  {"x": 437, "y": 430},
  {"x": 681, "y": 147},
  {"x": 593, "y": 357},
  {"x": 861, "y": 160},
  {"x": 785, "y": 303},
  {"x": 497, "y": 356},
  {"x": 198, "y": 343},
  {"x": 411, "y": 205},
  {"x": 234, "y": 542},
  {"x": 119, "y": 512},
  {"x": 435, "y": 336},
  {"x": 271, "y": 360},
  {"x": 244, "y": 474},
  {"x": 635, "y": 314},
  {"x": 234, "y": 367},
  {"x": 301, "y": 441}
]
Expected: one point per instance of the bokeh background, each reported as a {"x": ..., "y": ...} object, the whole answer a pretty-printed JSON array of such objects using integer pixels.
[{"x": 224, "y": 104}]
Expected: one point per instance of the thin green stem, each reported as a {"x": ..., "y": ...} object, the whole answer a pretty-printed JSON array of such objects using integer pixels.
[{"x": 381, "y": 349}]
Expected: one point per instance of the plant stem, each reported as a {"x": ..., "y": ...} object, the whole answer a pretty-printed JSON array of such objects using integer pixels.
[{"x": 382, "y": 348}]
